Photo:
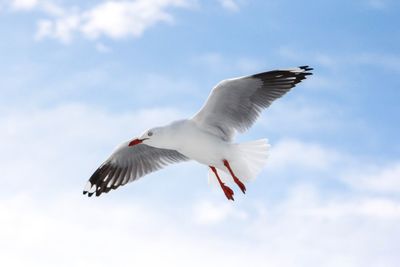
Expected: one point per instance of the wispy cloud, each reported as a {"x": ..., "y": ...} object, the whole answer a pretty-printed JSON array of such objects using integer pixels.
[
  {"x": 23, "y": 4},
  {"x": 209, "y": 213},
  {"x": 306, "y": 228},
  {"x": 102, "y": 48},
  {"x": 126, "y": 230},
  {"x": 359, "y": 174},
  {"x": 290, "y": 154},
  {"x": 113, "y": 19},
  {"x": 47, "y": 7},
  {"x": 230, "y": 5},
  {"x": 127, "y": 18},
  {"x": 36, "y": 137},
  {"x": 378, "y": 179}
]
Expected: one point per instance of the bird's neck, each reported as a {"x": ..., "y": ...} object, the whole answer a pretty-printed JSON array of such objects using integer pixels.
[{"x": 169, "y": 135}]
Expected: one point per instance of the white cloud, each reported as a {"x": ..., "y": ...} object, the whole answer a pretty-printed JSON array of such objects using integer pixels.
[
  {"x": 384, "y": 179},
  {"x": 61, "y": 29},
  {"x": 102, "y": 48},
  {"x": 118, "y": 19},
  {"x": 24, "y": 4},
  {"x": 72, "y": 231},
  {"x": 359, "y": 174},
  {"x": 114, "y": 19},
  {"x": 49, "y": 7},
  {"x": 44, "y": 28},
  {"x": 44, "y": 216},
  {"x": 208, "y": 213},
  {"x": 34, "y": 138},
  {"x": 305, "y": 229},
  {"x": 310, "y": 229},
  {"x": 230, "y": 5},
  {"x": 295, "y": 154}
]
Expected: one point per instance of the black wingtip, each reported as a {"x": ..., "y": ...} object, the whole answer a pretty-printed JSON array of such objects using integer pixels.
[
  {"x": 306, "y": 68},
  {"x": 84, "y": 192}
]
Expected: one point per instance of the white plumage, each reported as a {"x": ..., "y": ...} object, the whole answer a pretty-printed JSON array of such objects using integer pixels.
[{"x": 233, "y": 106}]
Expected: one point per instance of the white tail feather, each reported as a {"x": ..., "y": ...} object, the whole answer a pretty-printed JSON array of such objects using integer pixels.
[{"x": 246, "y": 163}]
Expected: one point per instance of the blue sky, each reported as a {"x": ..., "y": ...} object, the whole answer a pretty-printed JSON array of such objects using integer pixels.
[{"x": 79, "y": 78}]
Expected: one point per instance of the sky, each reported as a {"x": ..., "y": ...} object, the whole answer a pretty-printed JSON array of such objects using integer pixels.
[{"x": 79, "y": 77}]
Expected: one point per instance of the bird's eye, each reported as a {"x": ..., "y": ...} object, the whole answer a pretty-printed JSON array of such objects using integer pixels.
[{"x": 150, "y": 133}]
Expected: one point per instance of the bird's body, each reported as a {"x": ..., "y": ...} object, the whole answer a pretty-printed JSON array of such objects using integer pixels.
[
  {"x": 207, "y": 137},
  {"x": 195, "y": 143}
]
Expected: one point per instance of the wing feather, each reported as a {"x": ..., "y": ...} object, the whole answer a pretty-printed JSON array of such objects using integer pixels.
[
  {"x": 235, "y": 104},
  {"x": 127, "y": 164}
]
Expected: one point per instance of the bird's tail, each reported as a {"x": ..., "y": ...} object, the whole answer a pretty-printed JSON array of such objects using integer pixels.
[{"x": 246, "y": 162}]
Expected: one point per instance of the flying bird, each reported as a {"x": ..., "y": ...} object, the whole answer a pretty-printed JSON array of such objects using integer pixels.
[{"x": 232, "y": 106}]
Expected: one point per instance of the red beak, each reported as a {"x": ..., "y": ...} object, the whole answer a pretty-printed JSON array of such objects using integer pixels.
[{"x": 135, "y": 142}]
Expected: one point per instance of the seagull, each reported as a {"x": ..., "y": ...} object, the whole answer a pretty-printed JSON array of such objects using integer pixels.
[{"x": 232, "y": 106}]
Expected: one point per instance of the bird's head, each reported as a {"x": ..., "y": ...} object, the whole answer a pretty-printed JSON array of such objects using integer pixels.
[{"x": 152, "y": 137}]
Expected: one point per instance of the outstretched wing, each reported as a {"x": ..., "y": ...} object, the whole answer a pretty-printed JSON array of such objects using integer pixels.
[
  {"x": 235, "y": 104},
  {"x": 127, "y": 164}
]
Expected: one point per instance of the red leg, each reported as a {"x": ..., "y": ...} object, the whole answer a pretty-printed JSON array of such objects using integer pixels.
[
  {"x": 237, "y": 181},
  {"x": 227, "y": 190}
]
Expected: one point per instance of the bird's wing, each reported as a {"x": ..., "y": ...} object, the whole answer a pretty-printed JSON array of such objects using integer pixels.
[
  {"x": 127, "y": 164},
  {"x": 235, "y": 104}
]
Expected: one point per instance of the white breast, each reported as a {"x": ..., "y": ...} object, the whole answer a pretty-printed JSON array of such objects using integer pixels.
[{"x": 200, "y": 145}]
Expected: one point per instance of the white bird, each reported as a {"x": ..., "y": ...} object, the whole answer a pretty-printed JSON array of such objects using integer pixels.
[{"x": 233, "y": 106}]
